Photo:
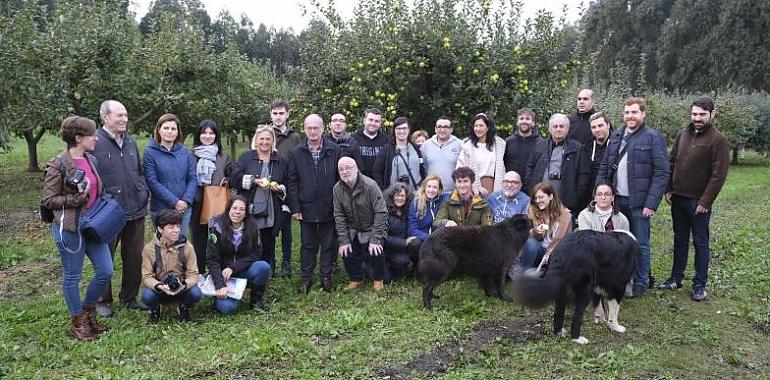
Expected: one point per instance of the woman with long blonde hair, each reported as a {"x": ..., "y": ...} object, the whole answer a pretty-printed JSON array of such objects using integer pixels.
[{"x": 427, "y": 200}]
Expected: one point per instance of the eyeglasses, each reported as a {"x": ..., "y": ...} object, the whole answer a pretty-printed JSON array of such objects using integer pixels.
[
  {"x": 402, "y": 128},
  {"x": 584, "y": 98},
  {"x": 339, "y": 120},
  {"x": 511, "y": 182},
  {"x": 443, "y": 127}
]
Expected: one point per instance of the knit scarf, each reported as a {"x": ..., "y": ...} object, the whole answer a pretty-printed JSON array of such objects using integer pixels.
[{"x": 205, "y": 168}]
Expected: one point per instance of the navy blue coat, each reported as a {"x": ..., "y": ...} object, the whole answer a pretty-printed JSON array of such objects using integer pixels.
[
  {"x": 170, "y": 175},
  {"x": 310, "y": 186},
  {"x": 648, "y": 168}
]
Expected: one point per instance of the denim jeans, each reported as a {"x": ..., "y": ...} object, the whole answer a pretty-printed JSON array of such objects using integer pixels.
[
  {"x": 257, "y": 274},
  {"x": 72, "y": 266},
  {"x": 686, "y": 221},
  {"x": 640, "y": 227},
  {"x": 531, "y": 253},
  {"x": 360, "y": 256},
  {"x": 154, "y": 298}
]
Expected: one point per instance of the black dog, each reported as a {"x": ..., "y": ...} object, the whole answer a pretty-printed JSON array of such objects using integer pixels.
[
  {"x": 484, "y": 251},
  {"x": 585, "y": 265}
]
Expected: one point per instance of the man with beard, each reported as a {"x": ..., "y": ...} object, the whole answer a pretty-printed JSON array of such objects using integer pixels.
[
  {"x": 636, "y": 164},
  {"x": 339, "y": 135},
  {"x": 592, "y": 153},
  {"x": 370, "y": 140},
  {"x": 520, "y": 145},
  {"x": 580, "y": 129},
  {"x": 510, "y": 201},
  {"x": 441, "y": 151},
  {"x": 699, "y": 162},
  {"x": 361, "y": 220}
]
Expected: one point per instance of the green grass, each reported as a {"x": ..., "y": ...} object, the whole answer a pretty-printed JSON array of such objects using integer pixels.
[{"x": 354, "y": 335}]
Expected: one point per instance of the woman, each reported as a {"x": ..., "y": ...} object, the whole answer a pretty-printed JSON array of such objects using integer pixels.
[
  {"x": 601, "y": 214},
  {"x": 399, "y": 160},
  {"x": 260, "y": 176},
  {"x": 400, "y": 248},
  {"x": 551, "y": 220},
  {"x": 212, "y": 165},
  {"x": 68, "y": 199},
  {"x": 234, "y": 250},
  {"x": 424, "y": 209},
  {"x": 419, "y": 137},
  {"x": 170, "y": 170},
  {"x": 483, "y": 152}
]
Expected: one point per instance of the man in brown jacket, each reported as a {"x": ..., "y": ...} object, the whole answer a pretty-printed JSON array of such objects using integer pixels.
[
  {"x": 699, "y": 162},
  {"x": 361, "y": 219},
  {"x": 169, "y": 268}
]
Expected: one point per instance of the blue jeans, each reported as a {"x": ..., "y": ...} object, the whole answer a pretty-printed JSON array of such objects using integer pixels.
[
  {"x": 640, "y": 227},
  {"x": 154, "y": 298},
  {"x": 72, "y": 266},
  {"x": 257, "y": 274},
  {"x": 531, "y": 253},
  {"x": 686, "y": 221}
]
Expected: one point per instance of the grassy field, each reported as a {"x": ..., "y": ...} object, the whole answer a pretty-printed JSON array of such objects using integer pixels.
[{"x": 360, "y": 335}]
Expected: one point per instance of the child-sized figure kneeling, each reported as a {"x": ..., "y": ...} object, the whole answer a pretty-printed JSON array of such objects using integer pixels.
[{"x": 169, "y": 268}]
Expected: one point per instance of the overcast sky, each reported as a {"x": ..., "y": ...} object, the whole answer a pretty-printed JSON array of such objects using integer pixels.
[{"x": 288, "y": 13}]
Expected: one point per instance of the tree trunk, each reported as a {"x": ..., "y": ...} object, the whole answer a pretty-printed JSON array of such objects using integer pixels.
[
  {"x": 233, "y": 139},
  {"x": 736, "y": 153},
  {"x": 32, "y": 139}
]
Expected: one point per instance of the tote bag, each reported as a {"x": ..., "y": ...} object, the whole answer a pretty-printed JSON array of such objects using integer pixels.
[{"x": 214, "y": 201}]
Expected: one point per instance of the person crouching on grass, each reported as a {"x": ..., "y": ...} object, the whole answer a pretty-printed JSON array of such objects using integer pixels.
[{"x": 169, "y": 268}]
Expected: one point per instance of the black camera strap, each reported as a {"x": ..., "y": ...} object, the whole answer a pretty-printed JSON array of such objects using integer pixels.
[
  {"x": 158, "y": 263},
  {"x": 411, "y": 177},
  {"x": 614, "y": 167}
]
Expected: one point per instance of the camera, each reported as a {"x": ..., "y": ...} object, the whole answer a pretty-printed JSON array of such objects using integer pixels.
[
  {"x": 403, "y": 178},
  {"x": 171, "y": 280},
  {"x": 554, "y": 175},
  {"x": 75, "y": 181}
]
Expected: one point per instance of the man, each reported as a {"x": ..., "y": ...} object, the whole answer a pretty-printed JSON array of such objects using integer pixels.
[
  {"x": 520, "y": 145},
  {"x": 635, "y": 162},
  {"x": 557, "y": 160},
  {"x": 285, "y": 140},
  {"x": 441, "y": 151},
  {"x": 339, "y": 135},
  {"x": 464, "y": 207},
  {"x": 169, "y": 268},
  {"x": 592, "y": 153},
  {"x": 312, "y": 174},
  {"x": 370, "y": 140},
  {"x": 121, "y": 169},
  {"x": 699, "y": 162},
  {"x": 581, "y": 130},
  {"x": 361, "y": 219},
  {"x": 509, "y": 201}
]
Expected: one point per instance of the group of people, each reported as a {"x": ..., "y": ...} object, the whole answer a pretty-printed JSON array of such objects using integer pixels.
[{"x": 369, "y": 197}]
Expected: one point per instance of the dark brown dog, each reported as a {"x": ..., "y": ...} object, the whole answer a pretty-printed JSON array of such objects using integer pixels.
[{"x": 483, "y": 251}]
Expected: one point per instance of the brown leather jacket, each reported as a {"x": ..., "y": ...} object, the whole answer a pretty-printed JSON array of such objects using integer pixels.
[{"x": 60, "y": 198}]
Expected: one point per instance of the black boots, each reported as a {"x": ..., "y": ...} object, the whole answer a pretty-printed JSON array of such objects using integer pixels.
[
  {"x": 154, "y": 315},
  {"x": 257, "y": 291},
  {"x": 183, "y": 313}
]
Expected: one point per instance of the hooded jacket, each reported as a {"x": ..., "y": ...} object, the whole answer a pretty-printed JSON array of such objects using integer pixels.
[{"x": 453, "y": 209}]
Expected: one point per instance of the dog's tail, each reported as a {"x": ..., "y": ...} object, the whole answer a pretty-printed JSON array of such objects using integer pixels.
[{"x": 531, "y": 289}]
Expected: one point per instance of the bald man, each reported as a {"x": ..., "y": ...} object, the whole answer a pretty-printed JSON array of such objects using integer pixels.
[
  {"x": 312, "y": 174},
  {"x": 510, "y": 200},
  {"x": 361, "y": 220}
]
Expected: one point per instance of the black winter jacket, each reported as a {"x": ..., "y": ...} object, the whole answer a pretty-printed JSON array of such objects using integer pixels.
[
  {"x": 349, "y": 147},
  {"x": 592, "y": 154},
  {"x": 310, "y": 186},
  {"x": 574, "y": 173},
  {"x": 580, "y": 128},
  {"x": 517, "y": 151},
  {"x": 221, "y": 254},
  {"x": 122, "y": 173},
  {"x": 249, "y": 163}
]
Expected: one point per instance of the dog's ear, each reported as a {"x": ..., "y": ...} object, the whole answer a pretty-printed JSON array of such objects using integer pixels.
[{"x": 522, "y": 222}]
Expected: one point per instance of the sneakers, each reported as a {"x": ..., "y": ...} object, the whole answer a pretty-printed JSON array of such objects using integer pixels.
[
  {"x": 670, "y": 284},
  {"x": 639, "y": 290},
  {"x": 699, "y": 294}
]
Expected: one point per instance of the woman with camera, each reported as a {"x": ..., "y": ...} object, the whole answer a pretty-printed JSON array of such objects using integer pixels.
[
  {"x": 170, "y": 170},
  {"x": 399, "y": 160},
  {"x": 212, "y": 165},
  {"x": 71, "y": 187},
  {"x": 234, "y": 251},
  {"x": 483, "y": 152},
  {"x": 169, "y": 268},
  {"x": 260, "y": 175}
]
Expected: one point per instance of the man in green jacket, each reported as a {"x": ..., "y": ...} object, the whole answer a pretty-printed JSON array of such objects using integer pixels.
[
  {"x": 464, "y": 207},
  {"x": 361, "y": 220}
]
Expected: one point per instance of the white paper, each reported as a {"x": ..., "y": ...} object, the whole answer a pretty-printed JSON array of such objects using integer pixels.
[{"x": 235, "y": 287}]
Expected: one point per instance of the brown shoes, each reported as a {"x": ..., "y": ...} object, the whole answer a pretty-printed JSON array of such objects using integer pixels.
[
  {"x": 352, "y": 285},
  {"x": 80, "y": 329},
  {"x": 378, "y": 286},
  {"x": 90, "y": 315}
]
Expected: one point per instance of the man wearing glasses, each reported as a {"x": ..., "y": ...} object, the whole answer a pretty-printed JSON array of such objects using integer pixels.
[
  {"x": 580, "y": 128},
  {"x": 339, "y": 135},
  {"x": 510, "y": 200},
  {"x": 440, "y": 153}
]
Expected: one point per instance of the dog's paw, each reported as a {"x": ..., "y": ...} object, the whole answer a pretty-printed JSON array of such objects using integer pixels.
[
  {"x": 616, "y": 327},
  {"x": 599, "y": 318},
  {"x": 562, "y": 333},
  {"x": 581, "y": 340}
]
